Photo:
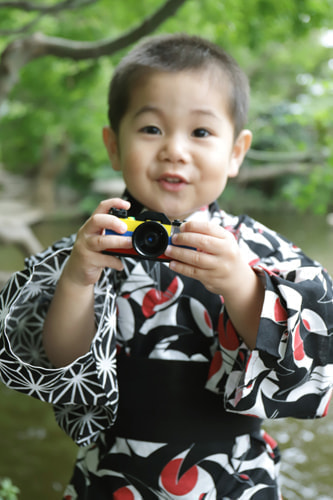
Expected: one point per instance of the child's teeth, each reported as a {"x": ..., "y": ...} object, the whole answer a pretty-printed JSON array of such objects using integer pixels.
[{"x": 172, "y": 179}]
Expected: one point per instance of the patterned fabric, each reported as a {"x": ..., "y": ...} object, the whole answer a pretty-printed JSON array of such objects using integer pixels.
[
  {"x": 149, "y": 312},
  {"x": 84, "y": 393},
  {"x": 138, "y": 470}
]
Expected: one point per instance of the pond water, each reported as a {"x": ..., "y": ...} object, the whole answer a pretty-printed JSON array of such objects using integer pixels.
[{"x": 39, "y": 457}]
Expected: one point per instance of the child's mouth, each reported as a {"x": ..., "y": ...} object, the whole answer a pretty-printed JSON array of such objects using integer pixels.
[{"x": 172, "y": 182}]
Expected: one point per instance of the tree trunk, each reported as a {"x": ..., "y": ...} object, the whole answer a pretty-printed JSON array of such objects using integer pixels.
[{"x": 54, "y": 160}]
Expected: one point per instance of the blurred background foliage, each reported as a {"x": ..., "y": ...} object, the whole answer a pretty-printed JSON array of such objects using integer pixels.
[{"x": 285, "y": 47}]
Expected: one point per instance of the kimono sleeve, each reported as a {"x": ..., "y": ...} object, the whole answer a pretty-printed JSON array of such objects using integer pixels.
[
  {"x": 84, "y": 394},
  {"x": 290, "y": 372}
]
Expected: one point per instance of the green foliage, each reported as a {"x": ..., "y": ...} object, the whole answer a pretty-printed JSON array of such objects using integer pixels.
[
  {"x": 57, "y": 98},
  {"x": 291, "y": 111},
  {"x": 314, "y": 193},
  {"x": 7, "y": 490}
]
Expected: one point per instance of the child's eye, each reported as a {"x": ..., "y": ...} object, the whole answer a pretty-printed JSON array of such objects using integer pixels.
[
  {"x": 150, "y": 129},
  {"x": 200, "y": 132}
]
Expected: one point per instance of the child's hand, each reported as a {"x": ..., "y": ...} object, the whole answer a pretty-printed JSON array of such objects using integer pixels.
[
  {"x": 217, "y": 260},
  {"x": 221, "y": 268},
  {"x": 86, "y": 262},
  {"x": 69, "y": 325}
]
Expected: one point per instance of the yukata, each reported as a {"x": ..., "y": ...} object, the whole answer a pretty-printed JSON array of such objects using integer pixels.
[{"x": 168, "y": 402}]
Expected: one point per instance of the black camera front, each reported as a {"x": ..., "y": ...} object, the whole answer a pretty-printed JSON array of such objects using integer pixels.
[{"x": 150, "y": 239}]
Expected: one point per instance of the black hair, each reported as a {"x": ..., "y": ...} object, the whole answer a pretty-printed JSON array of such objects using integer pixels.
[{"x": 175, "y": 53}]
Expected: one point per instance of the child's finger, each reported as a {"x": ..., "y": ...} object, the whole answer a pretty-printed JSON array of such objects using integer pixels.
[
  {"x": 100, "y": 221},
  {"x": 99, "y": 243},
  {"x": 189, "y": 270},
  {"x": 111, "y": 261},
  {"x": 207, "y": 228},
  {"x": 192, "y": 258},
  {"x": 203, "y": 243},
  {"x": 106, "y": 205}
]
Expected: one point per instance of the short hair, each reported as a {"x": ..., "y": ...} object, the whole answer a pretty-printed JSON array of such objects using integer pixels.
[{"x": 175, "y": 53}]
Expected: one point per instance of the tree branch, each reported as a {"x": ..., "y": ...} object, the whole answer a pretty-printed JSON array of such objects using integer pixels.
[
  {"x": 285, "y": 156},
  {"x": 22, "y": 29},
  {"x": 85, "y": 50},
  {"x": 20, "y": 52},
  {"x": 42, "y": 11},
  {"x": 46, "y": 9},
  {"x": 271, "y": 171}
]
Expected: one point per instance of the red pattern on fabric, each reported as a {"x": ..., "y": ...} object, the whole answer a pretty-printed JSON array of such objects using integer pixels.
[
  {"x": 123, "y": 494},
  {"x": 269, "y": 440},
  {"x": 254, "y": 262},
  {"x": 216, "y": 364},
  {"x": 280, "y": 314},
  {"x": 248, "y": 361},
  {"x": 228, "y": 337},
  {"x": 156, "y": 297},
  {"x": 298, "y": 345},
  {"x": 207, "y": 319},
  {"x": 326, "y": 408},
  {"x": 307, "y": 325},
  {"x": 179, "y": 485}
]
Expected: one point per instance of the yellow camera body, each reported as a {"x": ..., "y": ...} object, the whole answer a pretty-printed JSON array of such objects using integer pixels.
[{"x": 151, "y": 233}]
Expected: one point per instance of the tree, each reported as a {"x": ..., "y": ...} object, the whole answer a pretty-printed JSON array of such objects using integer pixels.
[
  {"x": 53, "y": 81},
  {"x": 23, "y": 50}
]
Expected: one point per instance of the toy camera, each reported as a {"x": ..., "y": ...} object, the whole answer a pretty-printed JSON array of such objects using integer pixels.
[{"x": 151, "y": 233}]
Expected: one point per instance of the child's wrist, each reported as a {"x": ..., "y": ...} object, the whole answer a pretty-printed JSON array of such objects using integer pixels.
[{"x": 69, "y": 282}]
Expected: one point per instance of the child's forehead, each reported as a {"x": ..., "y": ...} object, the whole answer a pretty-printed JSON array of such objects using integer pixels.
[
  {"x": 184, "y": 94},
  {"x": 209, "y": 76}
]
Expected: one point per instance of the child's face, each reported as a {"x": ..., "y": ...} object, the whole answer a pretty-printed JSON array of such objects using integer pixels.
[{"x": 175, "y": 145}]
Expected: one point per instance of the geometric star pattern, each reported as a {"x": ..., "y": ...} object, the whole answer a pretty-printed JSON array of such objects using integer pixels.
[{"x": 84, "y": 393}]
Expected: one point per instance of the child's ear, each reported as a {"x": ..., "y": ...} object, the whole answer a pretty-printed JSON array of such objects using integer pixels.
[
  {"x": 111, "y": 144},
  {"x": 241, "y": 147}
]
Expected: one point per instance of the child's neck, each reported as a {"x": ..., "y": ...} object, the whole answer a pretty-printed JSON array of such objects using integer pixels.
[{"x": 137, "y": 207}]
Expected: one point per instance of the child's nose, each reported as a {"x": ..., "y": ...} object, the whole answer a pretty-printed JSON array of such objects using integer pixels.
[{"x": 175, "y": 149}]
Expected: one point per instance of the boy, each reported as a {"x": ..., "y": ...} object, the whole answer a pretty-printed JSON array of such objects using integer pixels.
[{"x": 236, "y": 328}]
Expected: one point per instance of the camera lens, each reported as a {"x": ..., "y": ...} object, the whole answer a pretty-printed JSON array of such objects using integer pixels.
[{"x": 150, "y": 239}]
